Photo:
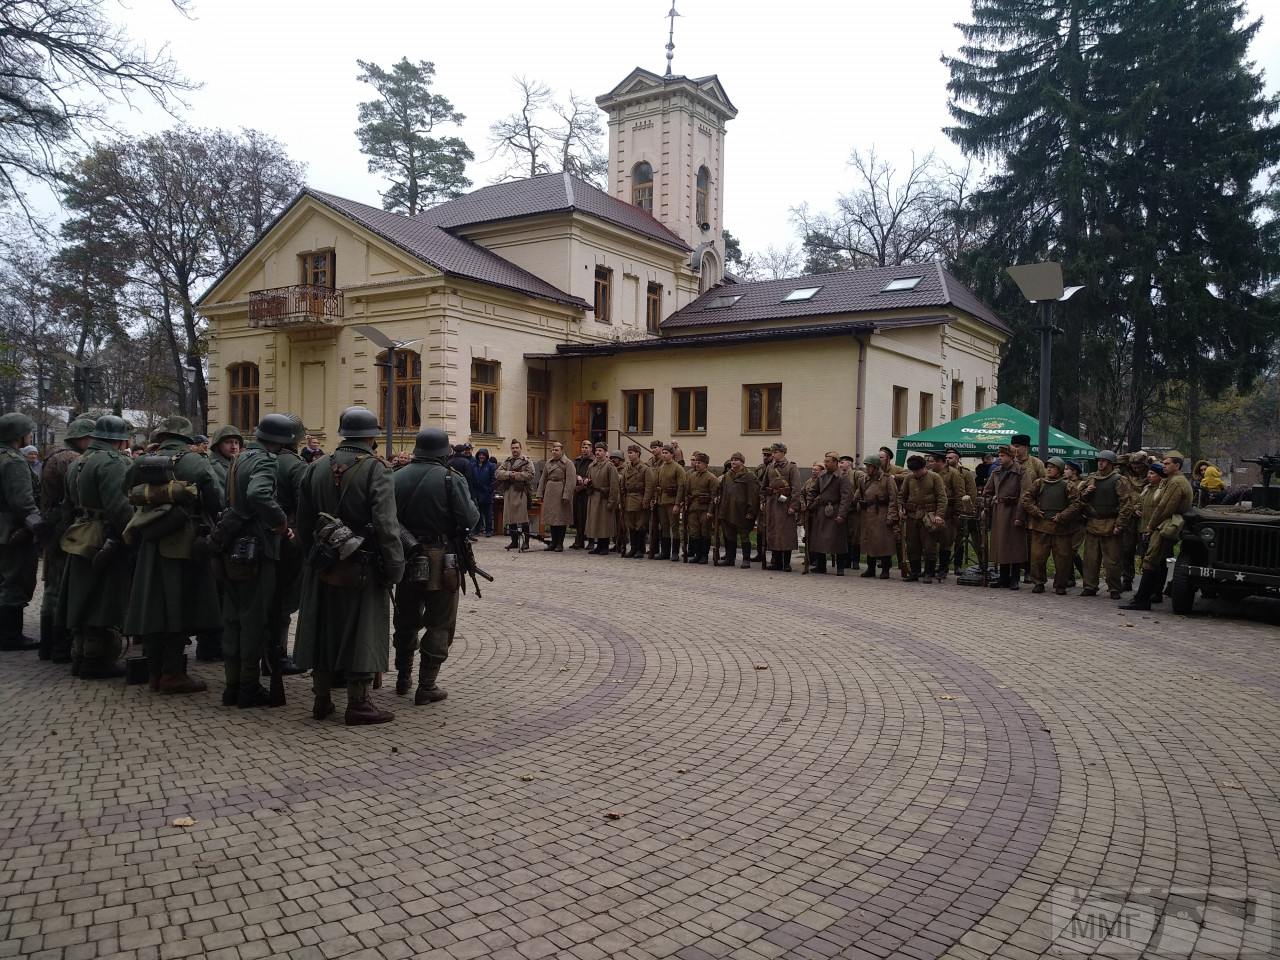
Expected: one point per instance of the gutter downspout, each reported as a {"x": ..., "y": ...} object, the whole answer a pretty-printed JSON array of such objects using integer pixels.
[{"x": 859, "y": 415}]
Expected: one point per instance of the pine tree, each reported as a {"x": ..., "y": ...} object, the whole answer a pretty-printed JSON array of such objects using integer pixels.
[{"x": 397, "y": 133}]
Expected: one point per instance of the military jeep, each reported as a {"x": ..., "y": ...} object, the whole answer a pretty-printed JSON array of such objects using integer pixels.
[{"x": 1227, "y": 551}]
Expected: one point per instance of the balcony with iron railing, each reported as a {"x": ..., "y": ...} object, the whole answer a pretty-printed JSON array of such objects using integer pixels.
[{"x": 299, "y": 307}]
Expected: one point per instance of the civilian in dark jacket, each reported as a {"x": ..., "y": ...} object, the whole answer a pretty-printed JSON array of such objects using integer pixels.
[{"x": 481, "y": 480}]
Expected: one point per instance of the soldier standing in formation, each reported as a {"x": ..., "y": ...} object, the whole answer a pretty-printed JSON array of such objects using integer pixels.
[
  {"x": 602, "y": 508},
  {"x": 636, "y": 486},
  {"x": 95, "y": 591},
  {"x": 581, "y": 464},
  {"x": 1134, "y": 467},
  {"x": 170, "y": 599},
  {"x": 739, "y": 501},
  {"x": 669, "y": 484},
  {"x": 878, "y": 499},
  {"x": 1008, "y": 533},
  {"x": 515, "y": 482},
  {"x": 344, "y": 620},
  {"x": 966, "y": 516},
  {"x": 436, "y": 513},
  {"x": 556, "y": 489},
  {"x": 782, "y": 485},
  {"x": 226, "y": 445},
  {"x": 853, "y": 521},
  {"x": 55, "y": 508},
  {"x": 290, "y": 468},
  {"x": 1108, "y": 502},
  {"x": 827, "y": 505},
  {"x": 702, "y": 491},
  {"x": 923, "y": 506},
  {"x": 20, "y": 523},
  {"x": 949, "y": 534},
  {"x": 1051, "y": 506},
  {"x": 1162, "y": 525}
]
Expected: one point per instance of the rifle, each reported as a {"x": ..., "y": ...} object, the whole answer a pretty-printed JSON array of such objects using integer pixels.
[
  {"x": 984, "y": 549},
  {"x": 904, "y": 565},
  {"x": 620, "y": 521},
  {"x": 684, "y": 535},
  {"x": 715, "y": 532},
  {"x": 652, "y": 552},
  {"x": 762, "y": 538},
  {"x": 466, "y": 557}
]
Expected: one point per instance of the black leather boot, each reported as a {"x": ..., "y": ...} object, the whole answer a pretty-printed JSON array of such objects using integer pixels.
[
  {"x": 786, "y": 561},
  {"x": 11, "y": 637},
  {"x": 818, "y": 563},
  {"x": 46, "y": 636},
  {"x": 515, "y": 538},
  {"x": 524, "y": 538},
  {"x": 664, "y": 548},
  {"x": 1142, "y": 596}
]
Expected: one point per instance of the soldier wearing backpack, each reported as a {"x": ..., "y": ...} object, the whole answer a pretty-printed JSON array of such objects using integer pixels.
[{"x": 175, "y": 493}]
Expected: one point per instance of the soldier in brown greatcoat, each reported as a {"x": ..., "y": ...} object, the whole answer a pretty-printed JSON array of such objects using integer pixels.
[
  {"x": 669, "y": 484},
  {"x": 703, "y": 489},
  {"x": 581, "y": 464},
  {"x": 827, "y": 511},
  {"x": 782, "y": 484},
  {"x": 766, "y": 458},
  {"x": 966, "y": 511},
  {"x": 514, "y": 482},
  {"x": 556, "y": 489},
  {"x": 853, "y": 535},
  {"x": 1009, "y": 547},
  {"x": 602, "y": 507},
  {"x": 922, "y": 500},
  {"x": 636, "y": 480},
  {"x": 878, "y": 498},
  {"x": 739, "y": 501},
  {"x": 953, "y": 480},
  {"x": 1051, "y": 505}
]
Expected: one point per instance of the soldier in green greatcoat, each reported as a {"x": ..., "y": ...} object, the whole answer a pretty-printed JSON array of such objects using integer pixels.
[
  {"x": 436, "y": 511},
  {"x": 253, "y": 513},
  {"x": 223, "y": 450},
  {"x": 56, "y": 510},
  {"x": 20, "y": 524},
  {"x": 172, "y": 597},
  {"x": 95, "y": 596},
  {"x": 290, "y": 469},
  {"x": 345, "y": 618}
]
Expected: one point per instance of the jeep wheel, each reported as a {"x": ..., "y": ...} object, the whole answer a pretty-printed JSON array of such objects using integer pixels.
[{"x": 1182, "y": 589}]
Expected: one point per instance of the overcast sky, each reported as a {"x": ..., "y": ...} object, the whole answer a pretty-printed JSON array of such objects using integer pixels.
[{"x": 811, "y": 79}]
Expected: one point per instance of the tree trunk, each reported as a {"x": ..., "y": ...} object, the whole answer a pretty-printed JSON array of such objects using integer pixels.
[
  {"x": 175, "y": 353},
  {"x": 1067, "y": 399}
]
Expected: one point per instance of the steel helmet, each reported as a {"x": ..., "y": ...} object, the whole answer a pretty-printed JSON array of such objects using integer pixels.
[
  {"x": 357, "y": 422},
  {"x": 179, "y": 428},
  {"x": 79, "y": 428},
  {"x": 15, "y": 426},
  {"x": 275, "y": 428},
  {"x": 227, "y": 432},
  {"x": 111, "y": 428},
  {"x": 431, "y": 442},
  {"x": 299, "y": 428}
]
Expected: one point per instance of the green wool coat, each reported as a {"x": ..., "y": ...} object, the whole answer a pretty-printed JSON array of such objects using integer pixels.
[
  {"x": 172, "y": 596},
  {"x": 95, "y": 484},
  {"x": 348, "y": 629},
  {"x": 17, "y": 501}
]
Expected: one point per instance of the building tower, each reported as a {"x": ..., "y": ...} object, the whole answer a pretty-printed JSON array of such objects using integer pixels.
[{"x": 666, "y": 156}]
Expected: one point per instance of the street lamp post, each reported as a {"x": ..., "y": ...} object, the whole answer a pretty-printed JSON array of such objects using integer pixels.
[
  {"x": 1041, "y": 283},
  {"x": 390, "y": 346}
]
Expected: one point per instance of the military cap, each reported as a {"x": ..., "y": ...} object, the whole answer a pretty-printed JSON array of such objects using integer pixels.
[
  {"x": 15, "y": 426},
  {"x": 953, "y": 450},
  {"x": 1005, "y": 449},
  {"x": 600, "y": 445},
  {"x": 871, "y": 461},
  {"x": 1076, "y": 466},
  {"x": 737, "y": 455},
  {"x": 1020, "y": 440},
  {"x": 700, "y": 457},
  {"x": 655, "y": 444},
  {"x": 938, "y": 456},
  {"x": 199, "y": 438},
  {"x": 79, "y": 428},
  {"x": 177, "y": 427},
  {"x": 1110, "y": 455},
  {"x": 1174, "y": 455},
  {"x": 915, "y": 462},
  {"x": 634, "y": 446},
  {"x": 1057, "y": 462},
  {"x": 1141, "y": 455},
  {"x": 780, "y": 447},
  {"x": 766, "y": 449}
]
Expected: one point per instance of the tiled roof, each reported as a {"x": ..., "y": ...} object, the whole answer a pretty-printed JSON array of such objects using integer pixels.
[
  {"x": 450, "y": 255},
  {"x": 547, "y": 193},
  {"x": 852, "y": 291}
]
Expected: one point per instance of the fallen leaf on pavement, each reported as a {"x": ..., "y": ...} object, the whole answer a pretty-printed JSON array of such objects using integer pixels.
[
  {"x": 762, "y": 666},
  {"x": 947, "y": 696},
  {"x": 527, "y": 778},
  {"x": 1232, "y": 785},
  {"x": 613, "y": 815},
  {"x": 184, "y": 822}
]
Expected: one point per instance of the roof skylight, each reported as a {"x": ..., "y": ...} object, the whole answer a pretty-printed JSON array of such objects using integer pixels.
[
  {"x": 719, "y": 303},
  {"x": 901, "y": 283},
  {"x": 800, "y": 293}
]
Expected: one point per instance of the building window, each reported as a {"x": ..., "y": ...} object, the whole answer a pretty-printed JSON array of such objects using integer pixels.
[
  {"x": 318, "y": 268},
  {"x": 604, "y": 293},
  {"x": 484, "y": 398},
  {"x": 899, "y": 411},
  {"x": 539, "y": 400},
  {"x": 406, "y": 398},
  {"x": 762, "y": 408},
  {"x": 653, "y": 307},
  {"x": 242, "y": 395},
  {"x": 700, "y": 205},
  {"x": 926, "y": 411},
  {"x": 691, "y": 410},
  {"x": 957, "y": 398},
  {"x": 980, "y": 398},
  {"x": 642, "y": 186},
  {"x": 637, "y": 408}
]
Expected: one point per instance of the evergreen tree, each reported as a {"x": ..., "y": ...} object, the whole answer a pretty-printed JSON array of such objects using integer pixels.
[{"x": 397, "y": 133}]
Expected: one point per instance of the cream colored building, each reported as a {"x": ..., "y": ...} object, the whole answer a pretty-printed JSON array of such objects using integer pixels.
[{"x": 546, "y": 309}]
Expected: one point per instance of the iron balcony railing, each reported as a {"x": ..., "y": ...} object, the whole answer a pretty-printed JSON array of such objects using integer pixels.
[{"x": 301, "y": 305}]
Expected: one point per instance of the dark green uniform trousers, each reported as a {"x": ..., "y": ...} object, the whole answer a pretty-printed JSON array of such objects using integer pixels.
[
  {"x": 246, "y": 625},
  {"x": 435, "y": 612}
]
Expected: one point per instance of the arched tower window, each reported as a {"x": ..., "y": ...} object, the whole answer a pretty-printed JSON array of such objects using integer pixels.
[
  {"x": 709, "y": 274},
  {"x": 700, "y": 204},
  {"x": 242, "y": 395},
  {"x": 406, "y": 392},
  {"x": 642, "y": 186}
]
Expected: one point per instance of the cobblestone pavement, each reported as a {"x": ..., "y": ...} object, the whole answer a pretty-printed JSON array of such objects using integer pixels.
[{"x": 645, "y": 759}]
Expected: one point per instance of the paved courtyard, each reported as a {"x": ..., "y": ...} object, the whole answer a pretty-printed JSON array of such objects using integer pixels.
[{"x": 646, "y": 759}]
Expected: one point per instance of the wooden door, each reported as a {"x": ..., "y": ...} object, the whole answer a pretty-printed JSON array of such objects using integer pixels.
[{"x": 581, "y": 423}]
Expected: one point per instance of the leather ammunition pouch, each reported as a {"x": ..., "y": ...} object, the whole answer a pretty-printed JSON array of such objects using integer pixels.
[{"x": 84, "y": 538}]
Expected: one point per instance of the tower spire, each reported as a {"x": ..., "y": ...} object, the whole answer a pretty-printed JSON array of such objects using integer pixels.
[{"x": 671, "y": 34}]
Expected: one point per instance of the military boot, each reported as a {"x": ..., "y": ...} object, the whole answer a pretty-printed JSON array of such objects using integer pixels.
[
  {"x": 287, "y": 667},
  {"x": 664, "y": 548},
  {"x": 786, "y": 561},
  {"x": 101, "y": 655},
  {"x": 60, "y": 647},
  {"x": 173, "y": 672},
  {"x": 11, "y": 637},
  {"x": 871, "y": 569},
  {"x": 842, "y": 562},
  {"x": 818, "y": 563},
  {"x": 251, "y": 694},
  {"x": 637, "y": 544},
  {"x": 361, "y": 711},
  {"x": 885, "y": 566},
  {"x": 404, "y": 670},
  {"x": 428, "y": 690},
  {"x": 730, "y": 558},
  {"x": 1142, "y": 596},
  {"x": 46, "y": 635},
  {"x": 515, "y": 539}
]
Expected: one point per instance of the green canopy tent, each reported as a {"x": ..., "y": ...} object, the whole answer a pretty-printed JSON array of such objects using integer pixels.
[{"x": 985, "y": 432}]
